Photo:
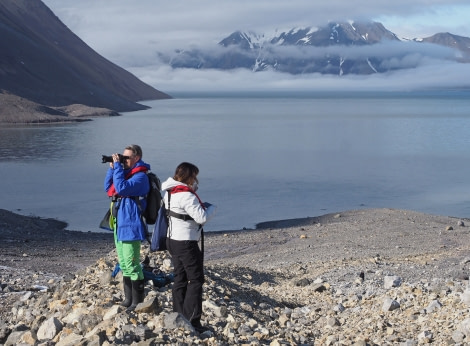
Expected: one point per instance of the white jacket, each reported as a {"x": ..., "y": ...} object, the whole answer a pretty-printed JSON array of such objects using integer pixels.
[{"x": 185, "y": 203}]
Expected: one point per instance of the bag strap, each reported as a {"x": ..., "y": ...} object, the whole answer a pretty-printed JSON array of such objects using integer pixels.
[
  {"x": 184, "y": 217},
  {"x": 168, "y": 215}
]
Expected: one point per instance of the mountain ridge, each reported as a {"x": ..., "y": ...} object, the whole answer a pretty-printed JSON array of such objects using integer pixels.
[
  {"x": 328, "y": 49},
  {"x": 44, "y": 62}
]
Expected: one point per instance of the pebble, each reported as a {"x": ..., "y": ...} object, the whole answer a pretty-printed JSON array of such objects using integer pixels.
[{"x": 283, "y": 306}]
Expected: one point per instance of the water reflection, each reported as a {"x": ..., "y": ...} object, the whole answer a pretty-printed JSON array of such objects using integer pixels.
[{"x": 52, "y": 142}]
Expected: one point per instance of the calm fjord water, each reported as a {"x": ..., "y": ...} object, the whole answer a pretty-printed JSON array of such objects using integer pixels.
[{"x": 260, "y": 159}]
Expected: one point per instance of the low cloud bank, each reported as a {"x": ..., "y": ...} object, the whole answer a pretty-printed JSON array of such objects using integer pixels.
[{"x": 429, "y": 74}]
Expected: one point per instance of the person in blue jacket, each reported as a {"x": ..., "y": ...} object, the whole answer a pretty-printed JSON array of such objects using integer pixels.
[{"x": 126, "y": 183}]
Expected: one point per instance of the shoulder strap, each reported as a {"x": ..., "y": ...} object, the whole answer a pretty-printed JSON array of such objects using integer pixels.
[
  {"x": 169, "y": 212},
  {"x": 136, "y": 170}
]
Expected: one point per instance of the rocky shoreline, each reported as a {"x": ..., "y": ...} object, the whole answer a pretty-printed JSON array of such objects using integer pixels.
[
  {"x": 15, "y": 110},
  {"x": 363, "y": 277}
]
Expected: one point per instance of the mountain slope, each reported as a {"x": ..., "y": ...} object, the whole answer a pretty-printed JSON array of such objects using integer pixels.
[
  {"x": 460, "y": 43},
  {"x": 43, "y": 61},
  {"x": 346, "y": 34}
]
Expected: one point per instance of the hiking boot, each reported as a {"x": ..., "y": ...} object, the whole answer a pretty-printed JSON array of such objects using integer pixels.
[
  {"x": 196, "y": 323},
  {"x": 127, "y": 284},
  {"x": 200, "y": 328},
  {"x": 138, "y": 293}
]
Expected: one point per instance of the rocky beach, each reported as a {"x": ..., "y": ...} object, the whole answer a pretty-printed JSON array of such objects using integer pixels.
[{"x": 360, "y": 277}]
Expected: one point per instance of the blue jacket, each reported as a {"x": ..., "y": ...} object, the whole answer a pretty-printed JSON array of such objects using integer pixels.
[{"x": 130, "y": 226}]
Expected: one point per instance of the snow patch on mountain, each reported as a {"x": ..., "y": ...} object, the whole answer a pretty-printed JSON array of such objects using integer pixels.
[{"x": 337, "y": 48}]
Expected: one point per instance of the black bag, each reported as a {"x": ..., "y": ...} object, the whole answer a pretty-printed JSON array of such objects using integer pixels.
[{"x": 154, "y": 199}]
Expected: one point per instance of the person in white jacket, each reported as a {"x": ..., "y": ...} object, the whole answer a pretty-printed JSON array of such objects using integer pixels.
[{"x": 187, "y": 215}]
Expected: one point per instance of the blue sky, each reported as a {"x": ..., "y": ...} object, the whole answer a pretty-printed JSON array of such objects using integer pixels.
[{"x": 131, "y": 33}]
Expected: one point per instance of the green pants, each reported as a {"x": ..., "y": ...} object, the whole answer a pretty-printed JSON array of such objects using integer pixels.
[{"x": 129, "y": 257}]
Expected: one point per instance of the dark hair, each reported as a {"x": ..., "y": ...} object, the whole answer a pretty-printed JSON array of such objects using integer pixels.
[
  {"x": 185, "y": 172},
  {"x": 136, "y": 149}
]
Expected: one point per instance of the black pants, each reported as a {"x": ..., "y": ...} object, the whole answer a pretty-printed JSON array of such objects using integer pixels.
[{"x": 189, "y": 277}]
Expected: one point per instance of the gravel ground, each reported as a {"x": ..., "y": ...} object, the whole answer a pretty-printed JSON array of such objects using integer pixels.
[
  {"x": 335, "y": 246},
  {"x": 421, "y": 245},
  {"x": 43, "y": 245}
]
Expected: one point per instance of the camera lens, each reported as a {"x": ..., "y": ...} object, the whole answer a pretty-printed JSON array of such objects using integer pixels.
[{"x": 105, "y": 159}]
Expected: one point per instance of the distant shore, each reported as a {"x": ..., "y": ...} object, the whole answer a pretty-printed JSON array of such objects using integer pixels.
[{"x": 15, "y": 110}]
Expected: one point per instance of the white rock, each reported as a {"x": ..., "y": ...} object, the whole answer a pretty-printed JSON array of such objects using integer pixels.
[
  {"x": 392, "y": 281},
  {"x": 112, "y": 312},
  {"x": 49, "y": 329},
  {"x": 390, "y": 304}
]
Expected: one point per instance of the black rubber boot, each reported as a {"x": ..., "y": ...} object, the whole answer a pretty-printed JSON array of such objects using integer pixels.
[
  {"x": 138, "y": 293},
  {"x": 127, "y": 283},
  {"x": 198, "y": 326}
]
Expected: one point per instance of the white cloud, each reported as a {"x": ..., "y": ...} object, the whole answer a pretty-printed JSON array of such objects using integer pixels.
[
  {"x": 380, "y": 50},
  {"x": 431, "y": 74},
  {"x": 131, "y": 33},
  {"x": 113, "y": 26}
]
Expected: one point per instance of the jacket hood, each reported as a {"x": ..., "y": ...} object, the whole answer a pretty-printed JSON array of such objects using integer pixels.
[{"x": 171, "y": 183}]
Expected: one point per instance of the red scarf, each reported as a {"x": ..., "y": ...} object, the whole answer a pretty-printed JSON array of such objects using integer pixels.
[
  {"x": 185, "y": 188},
  {"x": 112, "y": 190}
]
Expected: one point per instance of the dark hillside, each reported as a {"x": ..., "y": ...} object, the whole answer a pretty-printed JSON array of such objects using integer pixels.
[{"x": 43, "y": 61}]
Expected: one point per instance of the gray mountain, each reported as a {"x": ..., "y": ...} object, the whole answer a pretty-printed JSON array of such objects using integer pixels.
[
  {"x": 459, "y": 43},
  {"x": 336, "y": 48},
  {"x": 43, "y": 62},
  {"x": 331, "y": 34}
]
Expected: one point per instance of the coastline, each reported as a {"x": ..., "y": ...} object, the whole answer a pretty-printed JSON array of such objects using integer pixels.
[{"x": 46, "y": 245}]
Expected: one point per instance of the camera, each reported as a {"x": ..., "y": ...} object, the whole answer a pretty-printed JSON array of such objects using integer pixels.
[{"x": 105, "y": 158}]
